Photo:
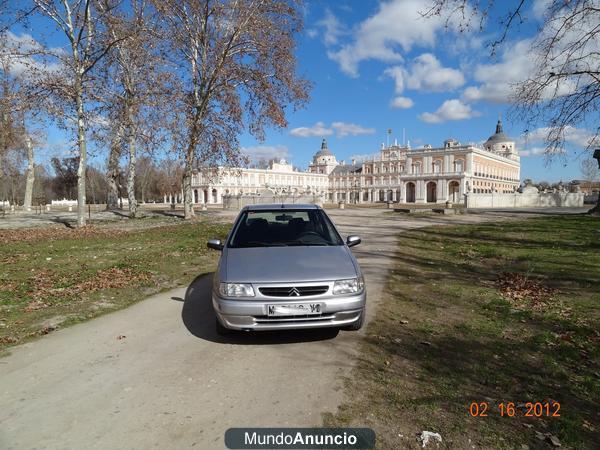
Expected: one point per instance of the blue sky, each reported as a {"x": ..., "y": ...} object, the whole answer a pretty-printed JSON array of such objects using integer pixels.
[{"x": 378, "y": 65}]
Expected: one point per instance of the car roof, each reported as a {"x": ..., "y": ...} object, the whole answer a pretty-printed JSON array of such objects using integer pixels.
[{"x": 269, "y": 206}]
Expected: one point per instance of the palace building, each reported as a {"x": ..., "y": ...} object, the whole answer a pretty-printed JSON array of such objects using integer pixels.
[{"x": 398, "y": 174}]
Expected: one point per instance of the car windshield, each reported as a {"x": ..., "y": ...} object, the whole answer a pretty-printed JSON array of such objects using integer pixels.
[{"x": 284, "y": 227}]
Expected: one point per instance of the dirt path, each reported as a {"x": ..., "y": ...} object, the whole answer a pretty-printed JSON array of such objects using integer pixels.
[{"x": 157, "y": 375}]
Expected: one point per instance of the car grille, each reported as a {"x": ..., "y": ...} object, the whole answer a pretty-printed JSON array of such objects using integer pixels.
[{"x": 293, "y": 291}]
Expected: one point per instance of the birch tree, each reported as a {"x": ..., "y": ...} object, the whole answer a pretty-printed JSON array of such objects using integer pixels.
[
  {"x": 235, "y": 60},
  {"x": 19, "y": 105},
  {"x": 72, "y": 85},
  {"x": 9, "y": 104},
  {"x": 136, "y": 87}
]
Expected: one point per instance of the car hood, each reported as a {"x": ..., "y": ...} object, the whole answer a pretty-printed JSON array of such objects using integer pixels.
[{"x": 287, "y": 264}]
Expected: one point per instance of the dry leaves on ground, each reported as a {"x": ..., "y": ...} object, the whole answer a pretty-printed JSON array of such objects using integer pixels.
[
  {"x": 54, "y": 233},
  {"x": 519, "y": 290},
  {"x": 35, "y": 305},
  {"x": 7, "y": 286},
  {"x": 111, "y": 278},
  {"x": 8, "y": 340}
]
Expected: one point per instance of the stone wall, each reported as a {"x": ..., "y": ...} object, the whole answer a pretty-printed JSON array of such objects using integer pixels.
[{"x": 525, "y": 200}]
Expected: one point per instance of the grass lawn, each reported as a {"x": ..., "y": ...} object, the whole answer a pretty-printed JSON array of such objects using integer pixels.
[
  {"x": 55, "y": 277},
  {"x": 495, "y": 314}
]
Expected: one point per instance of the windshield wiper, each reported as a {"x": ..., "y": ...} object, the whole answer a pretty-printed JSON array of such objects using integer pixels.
[
  {"x": 298, "y": 243},
  {"x": 262, "y": 244}
]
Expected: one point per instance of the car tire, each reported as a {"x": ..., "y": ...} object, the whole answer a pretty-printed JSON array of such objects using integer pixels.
[
  {"x": 221, "y": 330},
  {"x": 356, "y": 325}
]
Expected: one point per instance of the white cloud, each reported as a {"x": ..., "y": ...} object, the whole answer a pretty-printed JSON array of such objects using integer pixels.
[
  {"x": 266, "y": 152},
  {"x": 332, "y": 28},
  {"x": 577, "y": 137},
  {"x": 318, "y": 129},
  {"x": 401, "y": 102},
  {"x": 426, "y": 74},
  {"x": 450, "y": 110},
  {"x": 341, "y": 129},
  {"x": 540, "y": 8},
  {"x": 350, "y": 129},
  {"x": 22, "y": 53},
  {"x": 535, "y": 151},
  {"x": 312, "y": 33},
  {"x": 398, "y": 24},
  {"x": 497, "y": 80}
]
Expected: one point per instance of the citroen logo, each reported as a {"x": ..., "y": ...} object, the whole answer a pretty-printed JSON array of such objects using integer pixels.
[{"x": 294, "y": 292}]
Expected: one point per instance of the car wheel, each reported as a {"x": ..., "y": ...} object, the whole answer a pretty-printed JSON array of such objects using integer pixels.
[
  {"x": 221, "y": 330},
  {"x": 356, "y": 325}
]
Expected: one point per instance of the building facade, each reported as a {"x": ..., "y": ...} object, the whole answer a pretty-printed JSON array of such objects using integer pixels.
[
  {"x": 210, "y": 185},
  {"x": 398, "y": 174}
]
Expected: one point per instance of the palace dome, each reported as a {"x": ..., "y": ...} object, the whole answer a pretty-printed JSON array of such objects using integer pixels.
[
  {"x": 324, "y": 150},
  {"x": 498, "y": 136}
]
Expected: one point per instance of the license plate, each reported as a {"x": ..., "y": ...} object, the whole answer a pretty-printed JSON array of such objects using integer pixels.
[{"x": 300, "y": 309}]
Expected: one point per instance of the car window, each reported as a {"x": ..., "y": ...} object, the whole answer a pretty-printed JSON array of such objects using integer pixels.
[{"x": 284, "y": 227}]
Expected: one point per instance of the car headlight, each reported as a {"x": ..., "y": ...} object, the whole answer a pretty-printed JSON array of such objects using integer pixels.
[
  {"x": 350, "y": 286},
  {"x": 236, "y": 290}
]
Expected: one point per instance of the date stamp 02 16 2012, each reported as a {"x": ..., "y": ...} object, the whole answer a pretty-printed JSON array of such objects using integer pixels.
[{"x": 510, "y": 409}]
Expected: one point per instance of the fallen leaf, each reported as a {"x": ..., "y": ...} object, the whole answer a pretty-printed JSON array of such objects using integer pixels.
[
  {"x": 554, "y": 440},
  {"x": 35, "y": 305},
  {"x": 588, "y": 426}
]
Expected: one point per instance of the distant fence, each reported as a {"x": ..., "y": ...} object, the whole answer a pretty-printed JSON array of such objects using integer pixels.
[
  {"x": 241, "y": 200},
  {"x": 525, "y": 200}
]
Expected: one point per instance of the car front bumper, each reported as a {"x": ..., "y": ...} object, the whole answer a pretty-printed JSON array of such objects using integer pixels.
[{"x": 248, "y": 314}]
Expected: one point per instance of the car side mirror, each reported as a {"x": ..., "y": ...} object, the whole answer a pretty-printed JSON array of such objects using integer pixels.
[
  {"x": 351, "y": 241},
  {"x": 215, "y": 244}
]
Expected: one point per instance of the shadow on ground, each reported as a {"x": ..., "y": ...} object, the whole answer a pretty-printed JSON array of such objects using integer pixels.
[{"x": 199, "y": 318}]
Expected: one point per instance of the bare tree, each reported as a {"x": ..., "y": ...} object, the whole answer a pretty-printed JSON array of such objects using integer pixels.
[
  {"x": 71, "y": 84},
  {"x": 20, "y": 108},
  {"x": 236, "y": 63},
  {"x": 563, "y": 89},
  {"x": 136, "y": 86},
  {"x": 11, "y": 105}
]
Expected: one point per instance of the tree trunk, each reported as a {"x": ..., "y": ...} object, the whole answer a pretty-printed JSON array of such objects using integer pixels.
[
  {"x": 30, "y": 175},
  {"x": 2, "y": 184},
  {"x": 595, "y": 211},
  {"x": 188, "y": 205},
  {"x": 131, "y": 175},
  {"x": 112, "y": 174},
  {"x": 81, "y": 141}
]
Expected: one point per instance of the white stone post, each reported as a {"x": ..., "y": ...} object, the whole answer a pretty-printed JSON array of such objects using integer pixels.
[
  {"x": 420, "y": 192},
  {"x": 402, "y": 187}
]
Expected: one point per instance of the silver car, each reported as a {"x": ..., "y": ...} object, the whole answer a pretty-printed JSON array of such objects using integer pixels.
[{"x": 286, "y": 267}]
